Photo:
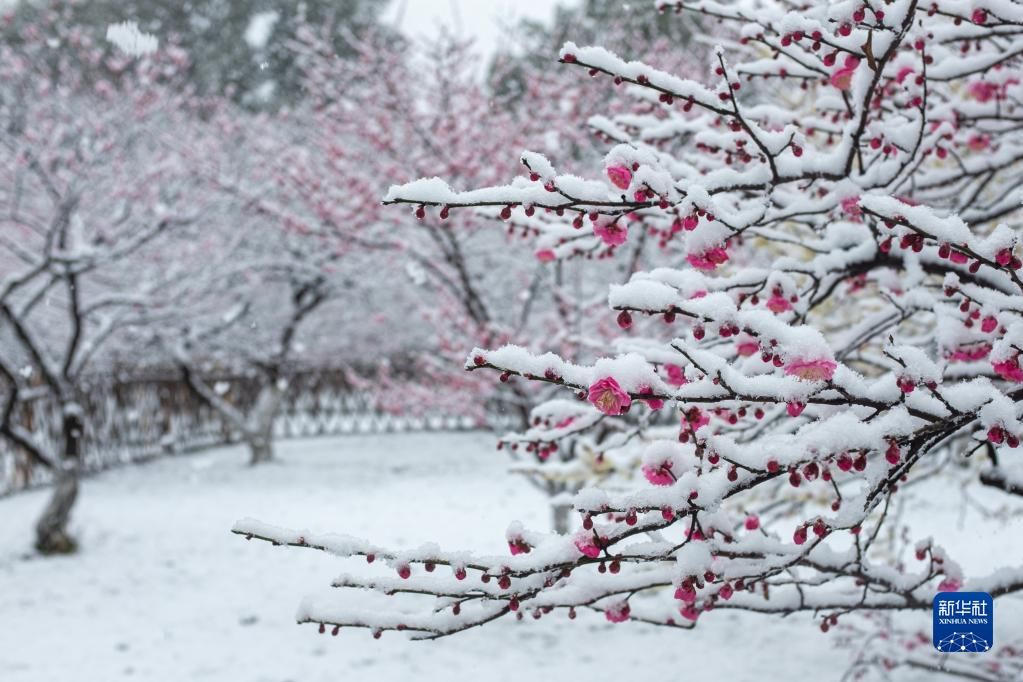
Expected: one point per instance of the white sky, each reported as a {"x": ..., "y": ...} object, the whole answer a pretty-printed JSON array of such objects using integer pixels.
[{"x": 481, "y": 19}]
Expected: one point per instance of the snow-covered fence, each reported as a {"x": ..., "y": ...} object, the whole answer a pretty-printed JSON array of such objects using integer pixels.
[{"x": 137, "y": 419}]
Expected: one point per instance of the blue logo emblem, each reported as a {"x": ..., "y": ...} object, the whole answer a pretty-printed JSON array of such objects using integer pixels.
[{"x": 964, "y": 621}]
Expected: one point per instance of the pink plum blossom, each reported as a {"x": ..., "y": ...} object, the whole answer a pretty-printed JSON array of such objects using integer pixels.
[
  {"x": 950, "y": 585},
  {"x": 1009, "y": 369},
  {"x": 545, "y": 255},
  {"x": 617, "y": 612},
  {"x": 709, "y": 259},
  {"x": 841, "y": 78},
  {"x": 652, "y": 403},
  {"x": 608, "y": 397},
  {"x": 685, "y": 592},
  {"x": 612, "y": 234},
  {"x": 620, "y": 176},
  {"x": 747, "y": 347},
  {"x": 689, "y": 613},
  {"x": 983, "y": 91},
  {"x": 978, "y": 142},
  {"x": 676, "y": 375},
  {"x": 821, "y": 369},
  {"x": 659, "y": 474},
  {"x": 996, "y": 434},
  {"x": 777, "y": 303},
  {"x": 518, "y": 546},
  {"x": 978, "y": 352},
  {"x": 851, "y": 207},
  {"x": 696, "y": 418},
  {"x": 586, "y": 543}
]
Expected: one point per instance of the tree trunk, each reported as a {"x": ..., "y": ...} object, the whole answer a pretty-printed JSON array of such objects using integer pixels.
[
  {"x": 52, "y": 536},
  {"x": 261, "y": 450},
  {"x": 261, "y": 421},
  {"x": 561, "y": 515}
]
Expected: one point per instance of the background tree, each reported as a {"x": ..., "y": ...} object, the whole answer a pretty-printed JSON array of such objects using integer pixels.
[
  {"x": 239, "y": 48},
  {"x": 89, "y": 184},
  {"x": 265, "y": 274},
  {"x": 395, "y": 116}
]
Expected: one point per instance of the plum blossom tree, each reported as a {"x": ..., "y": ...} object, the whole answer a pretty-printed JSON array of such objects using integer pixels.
[
  {"x": 388, "y": 116},
  {"x": 305, "y": 181},
  {"x": 264, "y": 274},
  {"x": 90, "y": 183},
  {"x": 395, "y": 116},
  {"x": 842, "y": 331}
]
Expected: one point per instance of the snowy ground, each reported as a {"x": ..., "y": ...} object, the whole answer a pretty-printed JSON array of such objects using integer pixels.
[{"x": 162, "y": 591}]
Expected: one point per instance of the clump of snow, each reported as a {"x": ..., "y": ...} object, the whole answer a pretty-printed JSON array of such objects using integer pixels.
[
  {"x": 261, "y": 25},
  {"x": 130, "y": 40}
]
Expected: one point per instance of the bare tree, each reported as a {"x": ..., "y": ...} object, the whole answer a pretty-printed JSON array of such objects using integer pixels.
[{"x": 89, "y": 183}]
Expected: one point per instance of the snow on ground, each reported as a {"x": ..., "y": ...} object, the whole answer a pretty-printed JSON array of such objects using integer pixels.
[{"x": 162, "y": 591}]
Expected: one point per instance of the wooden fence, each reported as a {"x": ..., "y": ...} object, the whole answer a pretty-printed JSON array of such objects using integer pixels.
[{"x": 133, "y": 420}]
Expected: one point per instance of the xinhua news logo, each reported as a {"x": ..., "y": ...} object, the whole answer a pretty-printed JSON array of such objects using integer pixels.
[{"x": 964, "y": 622}]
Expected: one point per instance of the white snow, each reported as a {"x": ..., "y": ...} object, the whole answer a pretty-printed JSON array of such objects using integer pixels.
[
  {"x": 130, "y": 40},
  {"x": 163, "y": 591},
  {"x": 257, "y": 33}
]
